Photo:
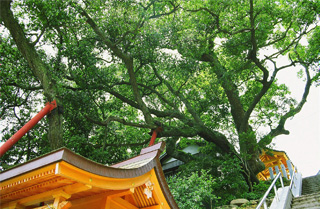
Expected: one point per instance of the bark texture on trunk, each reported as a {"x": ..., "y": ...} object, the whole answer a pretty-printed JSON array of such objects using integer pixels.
[{"x": 39, "y": 69}]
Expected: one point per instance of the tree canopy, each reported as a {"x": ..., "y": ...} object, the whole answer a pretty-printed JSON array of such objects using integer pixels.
[{"x": 206, "y": 70}]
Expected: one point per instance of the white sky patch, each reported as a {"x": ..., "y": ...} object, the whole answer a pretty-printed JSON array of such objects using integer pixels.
[
  {"x": 174, "y": 53},
  {"x": 303, "y": 143}
]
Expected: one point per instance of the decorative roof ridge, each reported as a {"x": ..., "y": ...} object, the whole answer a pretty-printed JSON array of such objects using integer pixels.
[
  {"x": 64, "y": 154},
  {"x": 159, "y": 146},
  {"x": 150, "y": 153}
]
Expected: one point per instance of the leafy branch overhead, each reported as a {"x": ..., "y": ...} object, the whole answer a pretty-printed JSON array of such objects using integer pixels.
[{"x": 207, "y": 70}]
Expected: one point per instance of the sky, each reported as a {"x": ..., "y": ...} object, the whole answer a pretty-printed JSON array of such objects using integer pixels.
[{"x": 302, "y": 145}]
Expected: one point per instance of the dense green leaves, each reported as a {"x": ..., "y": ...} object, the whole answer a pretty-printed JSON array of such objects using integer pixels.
[{"x": 194, "y": 191}]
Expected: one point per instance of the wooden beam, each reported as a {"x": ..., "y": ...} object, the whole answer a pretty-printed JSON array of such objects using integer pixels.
[
  {"x": 123, "y": 203},
  {"x": 154, "y": 207},
  {"x": 13, "y": 205},
  {"x": 272, "y": 160},
  {"x": 107, "y": 204},
  {"x": 19, "y": 182},
  {"x": 33, "y": 188},
  {"x": 77, "y": 187},
  {"x": 60, "y": 197},
  {"x": 62, "y": 205},
  {"x": 110, "y": 194},
  {"x": 109, "y": 200},
  {"x": 65, "y": 205},
  {"x": 49, "y": 195}
]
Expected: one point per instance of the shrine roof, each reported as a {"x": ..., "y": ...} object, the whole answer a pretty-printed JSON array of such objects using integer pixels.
[
  {"x": 63, "y": 171},
  {"x": 130, "y": 168}
]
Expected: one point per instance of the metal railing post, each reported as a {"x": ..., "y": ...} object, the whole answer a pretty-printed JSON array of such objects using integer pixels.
[{"x": 273, "y": 185}]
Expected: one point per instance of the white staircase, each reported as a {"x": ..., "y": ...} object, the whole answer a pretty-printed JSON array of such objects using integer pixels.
[
  {"x": 309, "y": 201},
  {"x": 301, "y": 194},
  {"x": 310, "y": 197}
]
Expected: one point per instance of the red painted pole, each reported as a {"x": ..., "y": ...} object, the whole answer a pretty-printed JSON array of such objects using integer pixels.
[
  {"x": 153, "y": 137},
  {"x": 17, "y": 136}
]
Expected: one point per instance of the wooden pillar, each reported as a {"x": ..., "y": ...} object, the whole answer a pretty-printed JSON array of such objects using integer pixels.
[{"x": 59, "y": 198}]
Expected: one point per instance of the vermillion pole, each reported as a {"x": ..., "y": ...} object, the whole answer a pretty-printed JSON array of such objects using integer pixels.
[
  {"x": 17, "y": 136},
  {"x": 154, "y": 135},
  {"x": 153, "y": 138}
]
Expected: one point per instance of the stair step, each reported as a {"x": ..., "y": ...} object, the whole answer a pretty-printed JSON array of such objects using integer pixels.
[
  {"x": 314, "y": 195},
  {"x": 311, "y": 185},
  {"x": 307, "y": 207},
  {"x": 310, "y": 201}
]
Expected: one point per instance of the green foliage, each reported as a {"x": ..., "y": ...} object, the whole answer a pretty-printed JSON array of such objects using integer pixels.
[
  {"x": 224, "y": 171},
  {"x": 258, "y": 191},
  {"x": 193, "y": 191}
]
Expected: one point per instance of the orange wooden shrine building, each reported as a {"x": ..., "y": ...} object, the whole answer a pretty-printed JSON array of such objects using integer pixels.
[
  {"x": 63, "y": 179},
  {"x": 275, "y": 161}
]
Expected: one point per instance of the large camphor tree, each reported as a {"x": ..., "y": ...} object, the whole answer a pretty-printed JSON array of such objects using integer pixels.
[{"x": 204, "y": 70}]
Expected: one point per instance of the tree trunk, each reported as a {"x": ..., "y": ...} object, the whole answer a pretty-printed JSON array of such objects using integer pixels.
[
  {"x": 55, "y": 132},
  {"x": 251, "y": 166},
  {"x": 39, "y": 69}
]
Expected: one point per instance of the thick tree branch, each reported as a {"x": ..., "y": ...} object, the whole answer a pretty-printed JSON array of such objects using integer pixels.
[
  {"x": 103, "y": 37},
  {"x": 158, "y": 113},
  {"x": 229, "y": 87},
  {"x": 172, "y": 151},
  {"x": 218, "y": 139},
  {"x": 279, "y": 130},
  {"x": 181, "y": 97},
  {"x": 153, "y": 90},
  {"x": 38, "y": 67},
  {"x": 128, "y": 61}
]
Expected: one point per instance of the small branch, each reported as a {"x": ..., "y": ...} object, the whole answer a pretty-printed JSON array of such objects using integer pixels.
[
  {"x": 120, "y": 120},
  {"x": 41, "y": 34},
  {"x": 103, "y": 37},
  {"x": 175, "y": 8},
  {"x": 217, "y": 20},
  {"x": 124, "y": 145},
  {"x": 4, "y": 108},
  {"x": 178, "y": 94},
  {"x": 30, "y": 88},
  {"x": 293, "y": 42},
  {"x": 280, "y": 38}
]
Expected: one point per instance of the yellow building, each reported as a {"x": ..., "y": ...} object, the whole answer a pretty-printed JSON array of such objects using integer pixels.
[
  {"x": 63, "y": 179},
  {"x": 275, "y": 161}
]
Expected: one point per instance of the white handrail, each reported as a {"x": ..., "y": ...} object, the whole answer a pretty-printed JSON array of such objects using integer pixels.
[
  {"x": 293, "y": 182},
  {"x": 273, "y": 185}
]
